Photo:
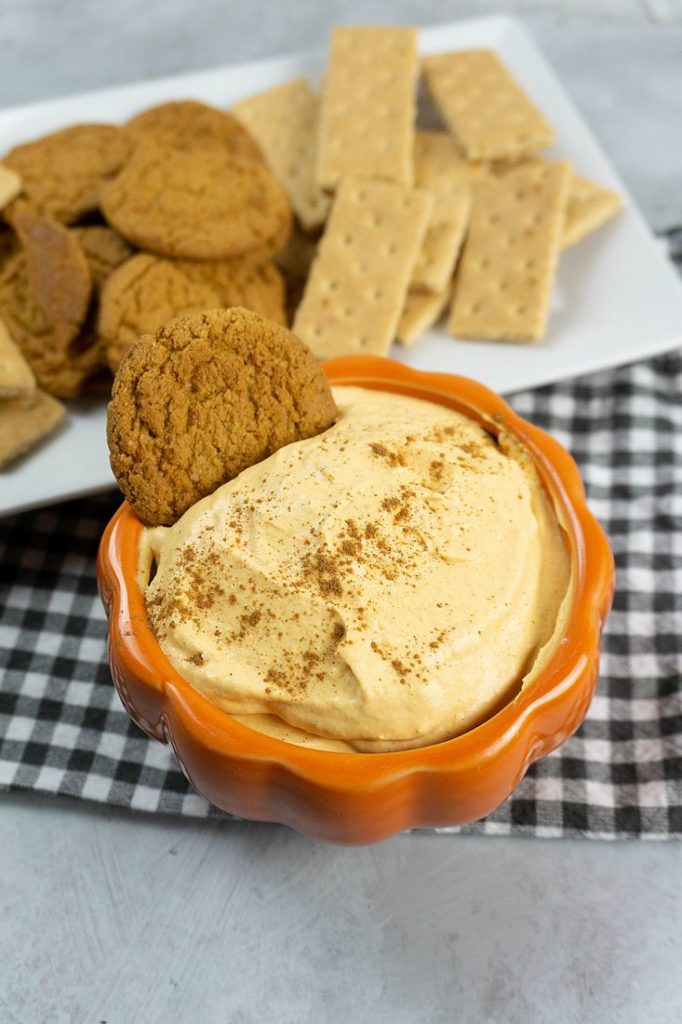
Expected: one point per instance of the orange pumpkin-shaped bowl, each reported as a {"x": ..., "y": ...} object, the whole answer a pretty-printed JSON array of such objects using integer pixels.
[{"x": 354, "y": 797}]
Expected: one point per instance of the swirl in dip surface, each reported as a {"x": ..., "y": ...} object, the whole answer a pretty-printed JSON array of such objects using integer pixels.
[{"x": 384, "y": 585}]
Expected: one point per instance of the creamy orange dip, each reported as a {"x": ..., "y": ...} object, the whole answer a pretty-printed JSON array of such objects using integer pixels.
[{"x": 384, "y": 585}]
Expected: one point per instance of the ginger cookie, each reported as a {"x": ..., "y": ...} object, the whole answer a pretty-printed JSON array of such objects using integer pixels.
[
  {"x": 58, "y": 273},
  {"x": 26, "y": 323},
  {"x": 60, "y": 367},
  {"x": 188, "y": 125},
  {"x": 9, "y": 245},
  {"x": 61, "y": 173},
  {"x": 148, "y": 290},
  {"x": 105, "y": 251},
  {"x": 69, "y": 375},
  {"x": 204, "y": 398},
  {"x": 197, "y": 207},
  {"x": 142, "y": 295},
  {"x": 257, "y": 288}
]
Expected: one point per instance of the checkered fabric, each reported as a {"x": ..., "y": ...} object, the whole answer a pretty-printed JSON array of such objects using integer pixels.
[{"x": 63, "y": 730}]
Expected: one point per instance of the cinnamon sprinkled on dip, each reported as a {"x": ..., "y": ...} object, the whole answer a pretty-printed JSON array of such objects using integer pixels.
[{"x": 386, "y": 584}]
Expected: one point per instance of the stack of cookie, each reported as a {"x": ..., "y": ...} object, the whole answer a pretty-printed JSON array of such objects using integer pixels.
[
  {"x": 27, "y": 414},
  {"x": 110, "y": 231},
  {"x": 469, "y": 216},
  {"x": 208, "y": 215}
]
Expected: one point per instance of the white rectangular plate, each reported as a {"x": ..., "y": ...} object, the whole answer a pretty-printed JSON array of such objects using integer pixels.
[{"x": 617, "y": 297}]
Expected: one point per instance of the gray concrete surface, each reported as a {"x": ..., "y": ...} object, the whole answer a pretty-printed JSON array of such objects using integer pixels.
[{"x": 111, "y": 917}]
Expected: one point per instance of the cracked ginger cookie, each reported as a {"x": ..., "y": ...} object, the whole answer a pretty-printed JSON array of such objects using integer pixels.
[
  {"x": 204, "y": 398},
  {"x": 105, "y": 250},
  {"x": 197, "y": 205},
  {"x": 61, "y": 173},
  {"x": 148, "y": 290},
  {"x": 190, "y": 125}
]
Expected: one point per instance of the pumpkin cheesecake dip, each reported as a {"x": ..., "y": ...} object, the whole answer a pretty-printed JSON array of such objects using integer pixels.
[{"x": 386, "y": 584}]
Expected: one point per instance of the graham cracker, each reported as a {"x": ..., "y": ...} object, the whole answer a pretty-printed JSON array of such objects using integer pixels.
[
  {"x": 10, "y": 185},
  {"x": 358, "y": 282},
  {"x": 368, "y": 106},
  {"x": 284, "y": 123},
  {"x": 26, "y": 421},
  {"x": 16, "y": 376},
  {"x": 589, "y": 206},
  {"x": 505, "y": 275},
  {"x": 484, "y": 106},
  {"x": 439, "y": 168},
  {"x": 421, "y": 311}
]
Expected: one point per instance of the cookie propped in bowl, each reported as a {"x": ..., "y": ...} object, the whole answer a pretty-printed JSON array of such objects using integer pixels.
[{"x": 207, "y": 396}]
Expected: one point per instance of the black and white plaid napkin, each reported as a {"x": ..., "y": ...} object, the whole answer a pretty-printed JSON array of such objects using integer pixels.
[{"x": 63, "y": 730}]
